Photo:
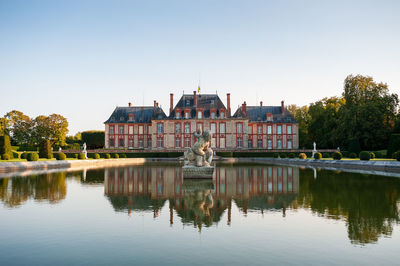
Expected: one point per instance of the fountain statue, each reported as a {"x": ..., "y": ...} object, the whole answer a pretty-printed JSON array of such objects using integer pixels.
[
  {"x": 198, "y": 158},
  {"x": 84, "y": 151}
]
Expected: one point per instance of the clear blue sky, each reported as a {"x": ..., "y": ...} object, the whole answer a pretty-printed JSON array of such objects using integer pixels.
[{"x": 82, "y": 58}]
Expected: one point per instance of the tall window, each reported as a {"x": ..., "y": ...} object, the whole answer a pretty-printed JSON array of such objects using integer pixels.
[
  {"x": 259, "y": 129},
  {"x": 269, "y": 144},
  {"x": 239, "y": 142},
  {"x": 269, "y": 129},
  {"x": 121, "y": 129},
  {"x": 149, "y": 143},
  {"x": 130, "y": 130},
  {"x": 200, "y": 126},
  {"x": 212, "y": 115},
  {"x": 239, "y": 128},
  {"x": 160, "y": 129},
  {"x": 213, "y": 128},
  {"x": 177, "y": 128},
  {"x": 131, "y": 143},
  {"x": 289, "y": 129},
  {"x": 141, "y": 130},
  {"x": 222, "y": 128},
  {"x": 187, "y": 142},
  {"x": 187, "y": 128},
  {"x": 279, "y": 129},
  {"x": 140, "y": 143},
  {"x": 178, "y": 142},
  {"x": 112, "y": 142},
  {"x": 250, "y": 143},
  {"x": 259, "y": 143},
  {"x": 289, "y": 144},
  {"x": 121, "y": 142},
  {"x": 187, "y": 115},
  {"x": 111, "y": 129},
  {"x": 199, "y": 114},
  {"x": 279, "y": 144}
]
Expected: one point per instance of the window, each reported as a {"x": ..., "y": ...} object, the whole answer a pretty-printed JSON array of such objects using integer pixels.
[
  {"x": 160, "y": 142},
  {"x": 140, "y": 143},
  {"x": 289, "y": 129},
  {"x": 178, "y": 142},
  {"x": 131, "y": 143},
  {"x": 289, "y": 144},
  {"x": 148, "y": 143},
  {"x": 213, "y": 128},
  {"x": 213, "y": 115},
  {"x": 200, "y": 126},
  {"x": 187, "y": 142},
  {"x": 250, "y": 143},
  {"x": 131, "y": 117},
  {"x": 222, "y": 128},
  {"x": 112, "y": 143},
  {"x": 121, "y": 142},
  {"x": 269, "y": 144},
  {"x": 141, "y": 130},
  {"x": 121, "y": 118},
  {"x": 160, "y": 129},
  {"x": 239, "y": 128},
  {"x": 279, "y": 144},
  {"x": 222, "y": 115},
  {"x": 187, "y": 128},
  {"x": 259, "y": 143},
  {"x": 177, "y": 128},
  {"x": 111, "y": 129},
  {"x": 279, "y": 129},
  {"x": 130, "y": 130},
  {"x": 269, "y": 129},
  {"x": 121, "y": 129},
  {"x": 239, "y": 142},
  {"x": 269, "y": 117},
  {"x": 199, "y": 114},
  {"x": 178, "y": 115},
  {"x": 187, "y": 115},
  {"x": 259, "y": 129}
]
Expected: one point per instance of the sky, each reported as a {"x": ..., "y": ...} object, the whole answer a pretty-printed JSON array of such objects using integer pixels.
[{"x": 81, "y": 59}]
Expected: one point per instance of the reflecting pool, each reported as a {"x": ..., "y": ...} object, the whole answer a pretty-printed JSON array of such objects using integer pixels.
[{"x": 150, "y": 214}]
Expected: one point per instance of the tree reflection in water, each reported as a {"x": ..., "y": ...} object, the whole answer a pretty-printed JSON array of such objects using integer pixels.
[{"x": 49, "y": 187}]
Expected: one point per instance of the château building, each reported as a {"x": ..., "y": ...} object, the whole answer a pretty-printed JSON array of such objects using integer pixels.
[{"x": 250, "y": 127}]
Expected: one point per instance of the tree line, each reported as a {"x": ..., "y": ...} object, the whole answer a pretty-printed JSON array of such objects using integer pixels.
[{"x": 366, "y": 114}]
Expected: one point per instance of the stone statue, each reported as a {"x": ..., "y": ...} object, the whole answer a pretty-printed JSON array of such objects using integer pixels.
[
  {"x": 314, "y": 150},
  {"x": 201, "y": 153},
  {"x": 84, "y": 150}
]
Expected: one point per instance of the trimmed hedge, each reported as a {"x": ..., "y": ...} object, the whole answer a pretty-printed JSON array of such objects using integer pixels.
[
  {"x": 5, "y": 145},
  {"x": 122, "y": 155},
  {"x": 372, "y": 155},
  {"x": 365, "y": 156},
  {"x": 354, "y": 146},
  {"x": 291, "y": 155},
  {"x": 394, "y": 145},
  {"x": 5, "y": 157},
  {"x": 302, "y": 155},
  {"x": 326, "y": 155},
  {"x": 115, "y": 155},
  {"x": 317, "y": 156},
  {"x": 337, "y": 155},
  {"x": 32, "y": 156},
  {"x": 96, "y": 156},
  {"x": 107, "y": 156},
  {"x": 94, "y": 139},
  {"x": 81, "y": 156},
  {"x": 353, "y": 155},
  {"x": 60, "y": 156},
  {"x": 276, "y": 155},
  {"x": 45, "y": 150},
  {"x": 379, "y": 154},
  {"x": 396, "y": 155},
  {"x": 16, "y": 155}
]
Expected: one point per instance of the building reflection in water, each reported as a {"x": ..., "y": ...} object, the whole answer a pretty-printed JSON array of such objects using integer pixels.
[{"x": 201, "y": 202}]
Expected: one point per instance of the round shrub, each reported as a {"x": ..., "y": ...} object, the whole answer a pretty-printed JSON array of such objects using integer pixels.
[
  {"x": 107, "y": 156},
  {"x": 317, "y": 156},
  {"x": 276, "y": 155},
  {"x": 116, "y": 155},
  {"x": 5, "y": 157},
  {"x": 302, "y": 156},
  {"x": 283, "y": 155},
  {"x": 81, "y": 156},
  {"x": 32, "y": 156},
  {"x": 337, "y": 155},
  {"x": 24, "y": 155},
  {"x": 61, "y": 156},
  {"x": 122, "y": 155},
  {"x": 365, "y": 156},
  {"x": 291, "y": 155},
  {"x": 96, "y": 156},
  {"x": 372, "y": 155},
  {"x": 353, "y": 155}
]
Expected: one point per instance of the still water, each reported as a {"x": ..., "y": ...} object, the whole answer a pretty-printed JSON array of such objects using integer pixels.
[{"x": 249, "y": 214}]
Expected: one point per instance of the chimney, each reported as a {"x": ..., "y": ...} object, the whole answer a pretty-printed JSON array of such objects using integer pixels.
[
  {"x": 261, "y": 104},
  {"x": 244, "y": 111},
  {"x": 171, "y": 103},
  {"x": 228, "y": 103},
  {"x": 194, "y": 99},
  {"x": 130, "y": 104},
  {"x": 155, "y": 107},
  {"x": 282, "y": 106}
]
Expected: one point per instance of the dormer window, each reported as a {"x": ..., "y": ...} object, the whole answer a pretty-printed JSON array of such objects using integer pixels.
[
  {"x": 178, "y": 115},
  {"x": 187, "y": 114},
  {"x": 131, "y": 117},
  {"x": 213, "y": 115},
  {"x": 199, "y": 114},
  {"x": 269, "y": 117},
  {"x": 222, "y": 115},
  {"x": 121, "y": 118},
  {"x": 187, "y": 102}
]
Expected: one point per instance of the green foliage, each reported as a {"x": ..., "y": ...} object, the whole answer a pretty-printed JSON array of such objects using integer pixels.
[
  {"x": 74, "y": 146},
  {"x": 394, "y": 144},
  {"x": 107, "y": 156},
  {"x": 122, "y": 155},
  {"x": 53, "y": 127},
  {"x": 81, "y": 156},
  {"x": 24, "y": 155},
  {"x": 326, "y": 155},
  {"x": 96, "y": 156},
  {"x": 94, "y": 139},
  {"x": 396, "y": 155},
  {"x": 372, "y": 155},
  {"x": 302, "y": 116},
  {"x": 337, "y": 155},
  {"x": 32, "y": 156},
  {"x": 317, "y": 156},
  {"x": 19, "y": 127},
  {"x": 5, "y": 157},
  {"x": 276, "y": 155},
  {"x": 5, "y": 145},
  {"x": 353, "y": 155},
  {"x": 302, "y": 156},
  {"x": 283, "y": 155},
  {"x": 354, "y": 146},
  {"x": 365, "y": 156},
  {"x": 291, "y": 155},
  {"x": 16, "y": 155},
  {"x": 60, "y": 156},
  {"x": 379, "y": 154},
  {"x": 116, "y": 155},
  {"x": 45, "y": 150}
]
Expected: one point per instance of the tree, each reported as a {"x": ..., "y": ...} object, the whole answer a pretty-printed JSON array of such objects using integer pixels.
[
  {"x": 53, "y": 128},
  {"x": 302, "y": 116},
  {"x": 94, "y": 139},
  {"x": 369, "y": 112},
  {"x": 45, "y": 150},
  {"x": 4, "y": 126},
  {"x": 19, "y": 127}
]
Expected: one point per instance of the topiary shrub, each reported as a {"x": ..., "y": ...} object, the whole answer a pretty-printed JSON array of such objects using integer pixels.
[
  {"x": 32, "y": 156},
  {"x": 276, "y": 155},
  {"x": 24, "y": 155},
  {"x": 337, "y": 155},
  {"x": 96, "y": 156},
  {"x": 372, "y": 155},
  {"x": 75, "y": 155},
  {"x": 302, "y": 156},
  {"x": 291, "y": 155},
  {"x": 365, "y": 156},
  {"x": 283, "y": 155},
  {"x": 81, "y": 156},
  {"x": 5, "y": 157},
  {"x": 60, "y": 156},
  {"x": 123, "y": 155},
  {"x": 45, "y": 150},
  {"x": 353, "y": 155},
  {"x": 5, "y": 145},
  {"x": 16, "y": 155},
  {"x": 396, "y": 155},
  {"x": 317, "y": 156},
  {"x": 107, "y": 156},
  {"x": 116, "y": 155}
]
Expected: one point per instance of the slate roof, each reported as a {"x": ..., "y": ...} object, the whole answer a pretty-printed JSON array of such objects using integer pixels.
[
  {"x": 259, "y": 114},
  {"x": 142, "y": 114},
  {"x": 205, "y": 101}
]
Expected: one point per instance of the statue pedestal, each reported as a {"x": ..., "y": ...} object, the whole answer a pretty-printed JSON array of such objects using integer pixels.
[{"x": 190, "y": 171}]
